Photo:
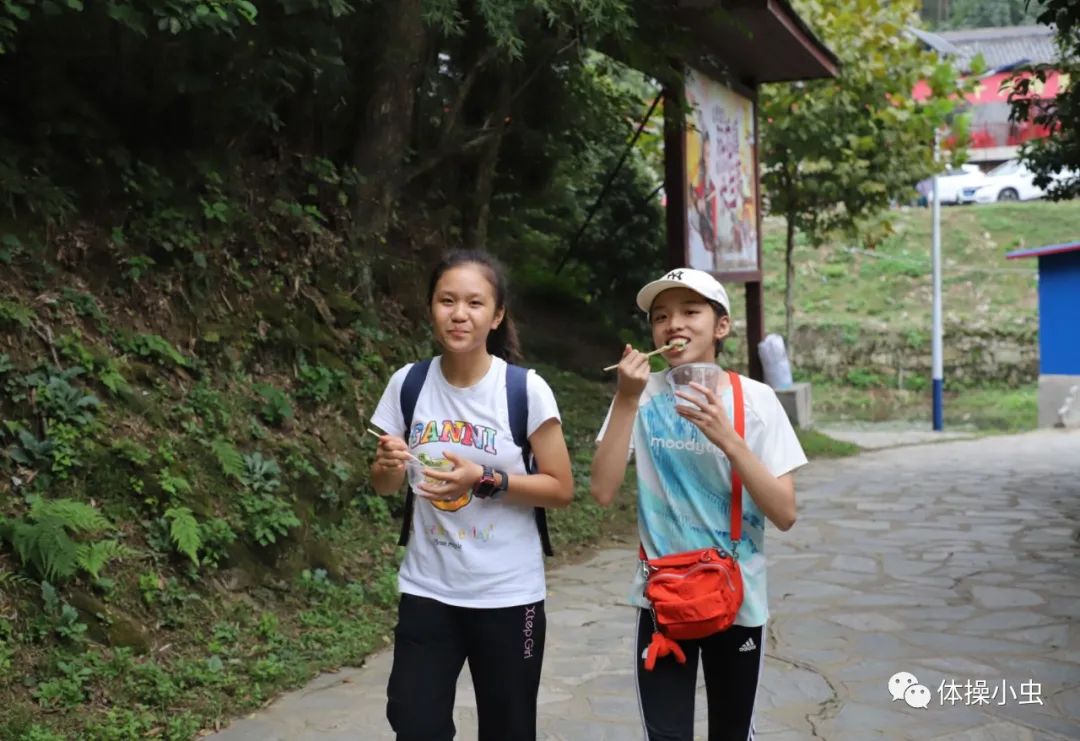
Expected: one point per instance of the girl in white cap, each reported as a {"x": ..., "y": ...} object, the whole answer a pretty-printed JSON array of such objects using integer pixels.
[{"x": 687, "y": 455}]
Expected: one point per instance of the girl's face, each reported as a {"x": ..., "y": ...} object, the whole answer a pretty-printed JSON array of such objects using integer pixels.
[
  {"x": 463, "y": 310},
  {"x": 682, "y": 314}
]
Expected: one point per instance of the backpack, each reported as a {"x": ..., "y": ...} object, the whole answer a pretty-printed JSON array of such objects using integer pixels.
[{"x": 517, "y": 405}]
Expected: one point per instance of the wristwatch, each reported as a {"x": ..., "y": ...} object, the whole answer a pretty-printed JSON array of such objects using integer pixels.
[{"x": 486, "y": 486}]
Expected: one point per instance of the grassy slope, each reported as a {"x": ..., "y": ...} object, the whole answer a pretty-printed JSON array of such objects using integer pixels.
[
  {"x": 213, "y": 641},
  {"x": 889, "y": 287}
]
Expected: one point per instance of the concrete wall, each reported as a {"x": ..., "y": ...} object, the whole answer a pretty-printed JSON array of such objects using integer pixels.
[
  {"x": 1004, "y": 354},
  {"x": 1059, "y": 401}
]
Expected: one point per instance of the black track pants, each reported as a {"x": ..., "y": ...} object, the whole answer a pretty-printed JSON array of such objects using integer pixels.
[
  {"x": 505, "y": 650},
  {"x": 731, "y": 661}
]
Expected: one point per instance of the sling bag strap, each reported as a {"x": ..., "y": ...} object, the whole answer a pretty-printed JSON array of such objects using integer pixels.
[
  {"x": 517, "y": 405},
  {"x": 739, "y": 421}
]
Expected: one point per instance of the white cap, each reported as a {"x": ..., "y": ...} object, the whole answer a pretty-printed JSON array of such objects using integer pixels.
[{"x": 697, "y": 281}]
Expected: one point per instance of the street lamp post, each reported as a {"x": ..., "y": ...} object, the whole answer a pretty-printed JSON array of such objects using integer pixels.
[{"x": 937, "y": 372}]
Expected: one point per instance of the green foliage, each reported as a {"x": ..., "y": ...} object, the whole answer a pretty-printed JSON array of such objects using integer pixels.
[
  {"x": 64, "y": 402},
  {"x": 46, "y": 539},
  {"x": 38, "y": 733},
  {"x": 66, "y": 691},
  {"x": 60, "y": 617},
  {"x": 69, "y": 444},
  {"x": 132, "y": 451},
  {"x": 1055, "y": 159},
  {"x": 11, "y": 246},
  {"x": 267, "y": 516},
  {"x": 215, "y": 536},
  {"x": 84, "y": 304},
  {"x": 6, "y": 651},
  {"x": 275, "y": 409},
  {"x": 93, "y": 557},
  {"x": 184, "y": 531},
  {"x": 861, "y": 378},
  {"x": 173, "y": 484},
  {"x": 229, "y": 458},
  {"x": 209, "y": 405},
  {"x": 377, "y": 509},
  {"x": 319, "y": 383},
  {"x": 949, "y": 14},
  {"x": 155, "y": 347},
  {"x": 31, "y": 452},
  {"x": 261, "y": 475},
  {"x": 16, "y": 314},
  {"x": 837, "y": 153}
]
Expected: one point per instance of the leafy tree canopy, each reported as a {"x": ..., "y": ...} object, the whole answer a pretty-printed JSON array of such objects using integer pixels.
[
  {"x": 1055, "y": 160},
  {"x": 836, "y": 153}
]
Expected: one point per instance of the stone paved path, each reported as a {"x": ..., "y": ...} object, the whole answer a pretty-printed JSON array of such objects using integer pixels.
[{"x": 956, "y": 562}]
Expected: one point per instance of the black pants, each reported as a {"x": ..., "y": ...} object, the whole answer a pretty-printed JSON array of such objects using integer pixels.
[
  {"x": 505, "y": 650},
  {"x": 731, "y": 661}
]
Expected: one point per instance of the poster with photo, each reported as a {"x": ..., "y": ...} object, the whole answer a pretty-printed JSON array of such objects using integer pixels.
[{"x": 721, "y": 194}]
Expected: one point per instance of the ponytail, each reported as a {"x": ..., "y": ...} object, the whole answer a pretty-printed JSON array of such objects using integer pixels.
[{"x": 503, "y": 341}]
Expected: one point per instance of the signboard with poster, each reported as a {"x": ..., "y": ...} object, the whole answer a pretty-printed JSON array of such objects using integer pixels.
[{"x": 721, "y": 181}]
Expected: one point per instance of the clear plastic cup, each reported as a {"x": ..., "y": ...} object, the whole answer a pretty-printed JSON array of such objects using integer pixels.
[
  {"x": 705, "y": 374},
  {"x": 415, "y": 472}
]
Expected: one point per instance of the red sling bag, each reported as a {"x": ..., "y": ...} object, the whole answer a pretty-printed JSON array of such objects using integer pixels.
[{"x": 697, "y": 593}]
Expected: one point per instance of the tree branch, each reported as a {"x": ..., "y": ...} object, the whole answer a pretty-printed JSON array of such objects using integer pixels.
[{"x": 467, "y": 82}]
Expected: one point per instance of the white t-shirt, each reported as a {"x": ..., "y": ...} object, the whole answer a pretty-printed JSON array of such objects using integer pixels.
[
  {"x": 684, "y": 483},
  {"x": 487, "y": 553}
]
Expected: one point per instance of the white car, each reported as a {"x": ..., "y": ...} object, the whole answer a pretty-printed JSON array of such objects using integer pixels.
[
  {"x": 1009, "y": 181},
  {"x": 952, "y": 182}
]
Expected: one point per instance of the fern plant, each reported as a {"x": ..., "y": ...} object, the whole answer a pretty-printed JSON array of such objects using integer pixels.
[
  {"x": 46, "y": 539},
  {"x": 10, "y": 580},
  {"x": 93, "y": 557},
  {"x": 173, "y": 484},
  {"x": 228, "y": 457},
  {"x": 184, "y": 532}
]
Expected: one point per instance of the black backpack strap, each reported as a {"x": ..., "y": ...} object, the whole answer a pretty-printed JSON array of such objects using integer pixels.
[
  {"x": 410, "y": 392},
  {"x": 517, "y": 404}
]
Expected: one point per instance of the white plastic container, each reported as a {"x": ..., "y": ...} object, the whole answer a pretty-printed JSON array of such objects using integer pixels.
[{"x": 706, "y": 374}]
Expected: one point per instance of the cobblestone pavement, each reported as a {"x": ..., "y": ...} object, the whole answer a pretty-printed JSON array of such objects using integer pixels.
[{"x": 956, "y": 562}]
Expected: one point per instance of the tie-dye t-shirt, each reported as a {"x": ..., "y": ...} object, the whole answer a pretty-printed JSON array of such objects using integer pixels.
[
  {"x": 684, "y": 483},
  {"x": 486, "y": 553}
]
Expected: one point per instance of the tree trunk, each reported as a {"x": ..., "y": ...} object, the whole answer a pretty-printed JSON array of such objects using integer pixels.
[
  {"x": 384, "y": 130},
  {"x": 476, "y": 224},
  {"x": 789, "y": 282}
]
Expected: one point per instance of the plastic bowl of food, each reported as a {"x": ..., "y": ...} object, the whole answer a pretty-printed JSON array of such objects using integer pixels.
[
  {"x": 415, "y": 472},
  {"x": 705, "y": 374}
]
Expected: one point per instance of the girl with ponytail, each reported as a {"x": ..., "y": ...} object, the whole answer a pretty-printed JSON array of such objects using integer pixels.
[{"x": 490, "y": 439}]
